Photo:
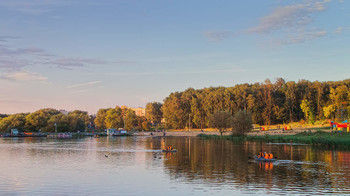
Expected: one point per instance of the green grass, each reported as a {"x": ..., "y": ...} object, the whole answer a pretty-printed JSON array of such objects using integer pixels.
[{"x": 319, "y": 138}]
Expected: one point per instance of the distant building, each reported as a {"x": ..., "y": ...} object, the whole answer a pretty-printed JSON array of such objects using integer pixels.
[
  {"x": 114, "y": 132},
  {"x": 65, "y": 112},
  {"x": 138, "y": 111}
]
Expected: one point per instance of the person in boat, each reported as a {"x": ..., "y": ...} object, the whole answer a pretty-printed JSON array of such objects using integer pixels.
[
  {"x": 266, "y": 155},
  {"x": 169, "y": 148},
  {"x": 260, "y": 154},
  {"x": 270, "y": 155}
]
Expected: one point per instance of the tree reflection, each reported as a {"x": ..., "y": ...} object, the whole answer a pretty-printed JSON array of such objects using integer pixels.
[{"x": 227, "y": 162}]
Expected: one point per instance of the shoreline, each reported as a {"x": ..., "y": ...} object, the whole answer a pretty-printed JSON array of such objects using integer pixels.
[{"x": 194, "y": 133}]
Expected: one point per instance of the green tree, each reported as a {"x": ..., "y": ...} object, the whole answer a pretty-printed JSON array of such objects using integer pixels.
[
  {"x": 15, "y": 121},
  {"x": 130, "y": 120},
  {"x": 61, "y": 121},
  {"x": 78, "y": 120},
  {"x": 221, "y": 120},
  {"x": 38, "y": 119},
  {"x": 242, "y": 123},
  {"x": 114, "y": 118},
  {"x": 100, "y": 120},
  {"x": 329, "y": 111},
  {"x": 308, "y": 110},
  {"x": 154, "y": 113}
]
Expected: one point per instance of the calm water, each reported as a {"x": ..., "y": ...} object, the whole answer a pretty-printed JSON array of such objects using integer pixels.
[{"x": 135, "y": 166}]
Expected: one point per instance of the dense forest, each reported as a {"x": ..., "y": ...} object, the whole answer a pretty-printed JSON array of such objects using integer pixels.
[{"x": 269, "y": 103}]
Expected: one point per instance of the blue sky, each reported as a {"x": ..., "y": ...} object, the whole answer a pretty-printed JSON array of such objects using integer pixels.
[{"x": 86, "y": 54}]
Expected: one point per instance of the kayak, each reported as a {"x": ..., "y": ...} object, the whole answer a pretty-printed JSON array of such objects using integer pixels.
[
  {"x": 173, "y": 150},
  {"x": 264, "y": 160}
]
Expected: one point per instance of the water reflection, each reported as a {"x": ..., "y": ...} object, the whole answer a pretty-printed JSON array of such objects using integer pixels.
[
  {"x": 301, "y": 169},
  {"x": 136, "y": 166}
]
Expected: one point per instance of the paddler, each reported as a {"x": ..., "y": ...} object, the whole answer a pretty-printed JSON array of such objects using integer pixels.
[
  {"x": 270, "y": 155},
  {"x": 266, "y": 156}
]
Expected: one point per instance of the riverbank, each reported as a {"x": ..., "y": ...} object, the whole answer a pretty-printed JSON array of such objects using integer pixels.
[
  {"x": 209, "y": 131},
  {"x": 318, "y": 138}
]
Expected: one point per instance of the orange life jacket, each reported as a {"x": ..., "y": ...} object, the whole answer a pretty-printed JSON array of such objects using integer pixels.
[{"x": 266, "y": 156}]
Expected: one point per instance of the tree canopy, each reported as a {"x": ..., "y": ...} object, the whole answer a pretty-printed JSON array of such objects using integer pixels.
[
  {"x": 268, "y": 102},
  {"x": 221, "y": 120},
  {"x": 242, "y": 123}
]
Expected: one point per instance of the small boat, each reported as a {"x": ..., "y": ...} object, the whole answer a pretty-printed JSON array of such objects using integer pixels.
[
  {"x": 262, "y": 159},
  {"x": 172, "y": 150}
]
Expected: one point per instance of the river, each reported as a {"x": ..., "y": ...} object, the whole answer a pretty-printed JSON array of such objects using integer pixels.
[{"x": 136, "y": 166}]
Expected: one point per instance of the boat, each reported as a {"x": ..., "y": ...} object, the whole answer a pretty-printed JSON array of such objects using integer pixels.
[
  {"x": 262, "y": 159},
  {"x": 172, "y": 150}
]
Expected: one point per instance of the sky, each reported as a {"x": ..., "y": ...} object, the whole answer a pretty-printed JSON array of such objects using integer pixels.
[{"x": 87, "y": 54}]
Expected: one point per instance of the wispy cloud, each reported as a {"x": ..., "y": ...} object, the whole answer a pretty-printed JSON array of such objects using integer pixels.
[
  {"x": 292, "y": 22},
  {"x": 216, "y": 36},
  {"x": 338, "y": 30},
  {"x": 83, "y": 84},
  {"x": 33, "y": 7},
  {"x": 301, "y": 36},
  {"x": 15, "y": 59},
  {"x": 183, "y": 72},
  {"x": 24, "y": 76},
  {"x": 71, "y": 63},
  {"x": 289, "y": 24}
]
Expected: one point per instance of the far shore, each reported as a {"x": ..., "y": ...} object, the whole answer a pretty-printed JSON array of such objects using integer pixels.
[{"x": 196, "y": 132}]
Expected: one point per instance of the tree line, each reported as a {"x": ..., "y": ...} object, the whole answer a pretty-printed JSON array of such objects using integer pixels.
[
  {"x": 269, "y": 103},
  {"x": 50, "y": 120},
  {"x": 120, "y": 118},
  {"x": 46, "y": 120}
]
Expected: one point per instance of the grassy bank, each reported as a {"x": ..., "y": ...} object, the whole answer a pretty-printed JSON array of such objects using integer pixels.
[{"x": 319, "y": 138}]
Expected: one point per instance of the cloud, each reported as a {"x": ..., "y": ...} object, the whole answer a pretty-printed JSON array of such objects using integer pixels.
[
  {"x": 83, "y": 84},
  {"x": 301, "y": 37},
  {"x": 184, "y": 72},
  {"x": 289, "y": 16},
  {"x": 216, "y": 36},
  {"x": 24, "y": 76},
  {"x": 288, "y": 24},
  {"x": 14, "y": 59},
  {"x": 338, "y": 30},
  {"x": 33, "y": 7},
  {"x": 6, "y": 38}
]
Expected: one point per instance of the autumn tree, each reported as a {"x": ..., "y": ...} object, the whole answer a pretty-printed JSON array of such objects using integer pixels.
[
  {"x": 15, "y": 121},
  {"x": 61, "y": 121},
  {"x": 308, "y": 110},
  {"x": 154, "y": 113},
  {"x": 114, "y": 118},
  {"x": 242, "y": 123},
  {"x": 100, "y": 120},
  {"x": 221, "y": 120},
  {"x": 130, "y": 120},
  {"x": 38, "y": 120}
]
